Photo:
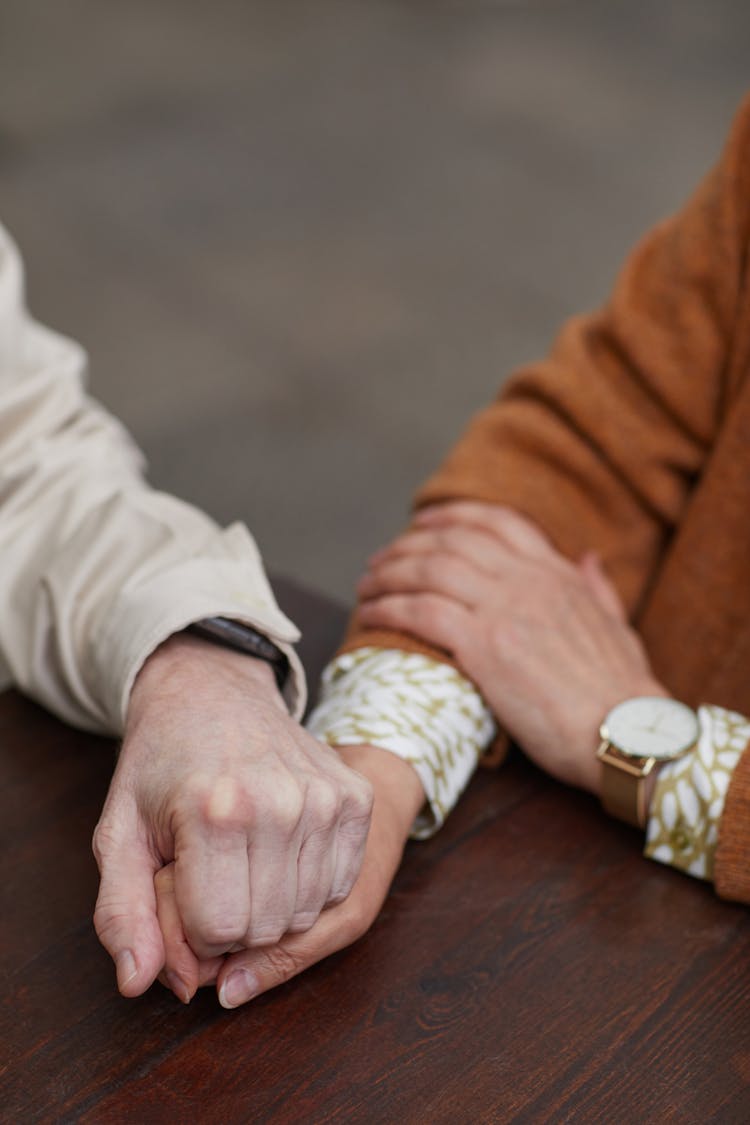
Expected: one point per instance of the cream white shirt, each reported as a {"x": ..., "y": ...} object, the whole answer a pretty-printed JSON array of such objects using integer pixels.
[{"x": 96, "y": 567}]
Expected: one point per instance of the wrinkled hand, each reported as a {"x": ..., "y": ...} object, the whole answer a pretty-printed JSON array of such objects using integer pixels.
[
  {"x": 264, "y": 825},
  {"x": 398, "y": 797},
  {"x": 546, "y": 641}
]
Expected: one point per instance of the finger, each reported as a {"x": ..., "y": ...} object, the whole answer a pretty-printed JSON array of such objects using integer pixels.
[
  {"x": 181, "y": 971},
  {"x": 246, "y": 975},
  {"x": 211, "y": 871},
  {"x": 208, "y": 972},
  {"x": 435, "y": 619},
  {"x": 351, "y": 836},
  {"x": 331, "y": 855},
  {"x": 336, "y": 822},
  {"x": 316, "y": 865},
  {"x": 446, "y": 575},
  {"x": 483, "y": 550},
  {"x": 515, "y": 530},
  {"x": 273, "y": 885},
  {"x": 600, "y": 586},
  {"x": 125, "y": 915}
]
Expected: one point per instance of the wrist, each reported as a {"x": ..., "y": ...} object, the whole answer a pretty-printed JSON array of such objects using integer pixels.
[
  {"x": 184, "y": 662},
  {"x": 592, "y": 768},
  {"x": 395, "y": 782},
  {"x": 641, "y": 736}
]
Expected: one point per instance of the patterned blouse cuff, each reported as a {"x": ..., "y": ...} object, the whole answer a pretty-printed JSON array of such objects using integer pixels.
[
  {"x": 689, "y": 795},
  {"x": 420, "y": 709}
]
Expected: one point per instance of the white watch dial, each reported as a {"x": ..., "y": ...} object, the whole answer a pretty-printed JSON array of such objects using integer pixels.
[{"x": 651, "y": 727}]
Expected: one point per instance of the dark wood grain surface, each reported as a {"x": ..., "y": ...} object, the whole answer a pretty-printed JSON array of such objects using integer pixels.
[{"x": 528, "y": 965}]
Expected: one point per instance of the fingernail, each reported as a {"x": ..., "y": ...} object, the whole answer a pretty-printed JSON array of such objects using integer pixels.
[
  {"x": 239, "y": 987},
  {"x": 178, "y": 986},
  {"x": 126, "y": 968}
]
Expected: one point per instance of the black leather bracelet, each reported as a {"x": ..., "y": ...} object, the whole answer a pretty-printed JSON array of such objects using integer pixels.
[{"x": 243, "y": 638}]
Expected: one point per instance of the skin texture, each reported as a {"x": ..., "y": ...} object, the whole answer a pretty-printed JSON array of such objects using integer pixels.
[
  {"x": 262, "y": 826},
  {"x": 546, "y": 641},
  {"x": 244, "y": 974}
]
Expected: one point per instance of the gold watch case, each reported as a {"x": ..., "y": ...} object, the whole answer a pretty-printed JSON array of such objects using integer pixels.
[{"x": 635, "y": 736}]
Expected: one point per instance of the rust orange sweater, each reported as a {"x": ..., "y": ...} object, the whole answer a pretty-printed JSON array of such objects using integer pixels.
[{"x": 633, "y": 438}]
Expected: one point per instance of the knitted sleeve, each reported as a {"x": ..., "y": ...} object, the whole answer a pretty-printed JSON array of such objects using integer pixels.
[
  {"x": 602, "y": 442},
  {"x": 732, "y": 859}
]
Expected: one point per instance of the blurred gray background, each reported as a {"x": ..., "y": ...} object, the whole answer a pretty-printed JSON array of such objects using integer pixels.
[{"x": 304, "y": 242}]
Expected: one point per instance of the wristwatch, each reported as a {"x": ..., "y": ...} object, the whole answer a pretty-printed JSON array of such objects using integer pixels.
[
  {"x": 243, "y": 638},
  {"x": 636, "y": 735}
]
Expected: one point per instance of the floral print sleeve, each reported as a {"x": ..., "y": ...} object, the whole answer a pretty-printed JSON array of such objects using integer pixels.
[
  {"x": 418, "y": 708},
  {"x": 431, "y": 716},
  {"x": 688, "y": 800}
]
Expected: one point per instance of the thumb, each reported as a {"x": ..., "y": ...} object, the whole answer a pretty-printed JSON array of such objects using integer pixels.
[
  {"x": 600, "y": 586},
  {"x": 246, "y": 974},
  {"x": 125, "y": 917}
]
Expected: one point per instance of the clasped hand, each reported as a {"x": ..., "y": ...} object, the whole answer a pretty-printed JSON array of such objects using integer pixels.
[
  {"x": 262, "y": 826},
  {"x": 231, "y": 840}
]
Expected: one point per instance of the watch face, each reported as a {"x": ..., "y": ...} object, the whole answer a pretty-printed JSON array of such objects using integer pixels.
[{"x": 651, "y": 727}]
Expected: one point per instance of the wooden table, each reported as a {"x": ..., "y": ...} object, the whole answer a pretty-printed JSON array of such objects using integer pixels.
[{"x": 529, "y": 965}]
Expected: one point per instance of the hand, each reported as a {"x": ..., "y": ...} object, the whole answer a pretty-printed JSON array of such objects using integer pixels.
[
  {"x": 265, "y": 825},
  {"x": 546, "y": 641},
  {"x": 398, "y": 797}
]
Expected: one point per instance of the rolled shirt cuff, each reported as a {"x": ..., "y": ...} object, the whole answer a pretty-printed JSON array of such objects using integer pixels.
[{"x": 144, "y": 616}]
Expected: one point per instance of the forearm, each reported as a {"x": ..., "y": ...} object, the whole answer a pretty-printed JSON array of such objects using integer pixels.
[
  {"x": 98, "y": 568},
  {"x": 395, "y": 783}
]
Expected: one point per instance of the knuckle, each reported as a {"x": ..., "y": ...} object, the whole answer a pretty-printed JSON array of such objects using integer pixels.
[
  {"x": 268, "y": 933},
  {"x": 104, "y": 920},
  {"x": 222, "y": 801},
  {"x": 364, "y": 797},
  {"x": 303, "y": 921},
  {"x": 216, "y": 803},
  {"x": 109, "y": 834},
  {"x": 99, "y": 843},
  {"x": 211, "y": 801},
  {"x": 323, "y": 802},
  {"x": 431, "y": 568},
  {"x": 286, "y": 806},
  {"x": 283, "y": 963},
  {"x": 360, "y": 801},
  {"x": 344, "y": 885},
  {"x": 220, "y": 932},
  {"x": 111, "y": 916}
]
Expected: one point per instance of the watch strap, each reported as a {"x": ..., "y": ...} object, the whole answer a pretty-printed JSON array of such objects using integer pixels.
[
  {"x": 243, "y": 638},
  {"x": 624, "y": 784}
]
